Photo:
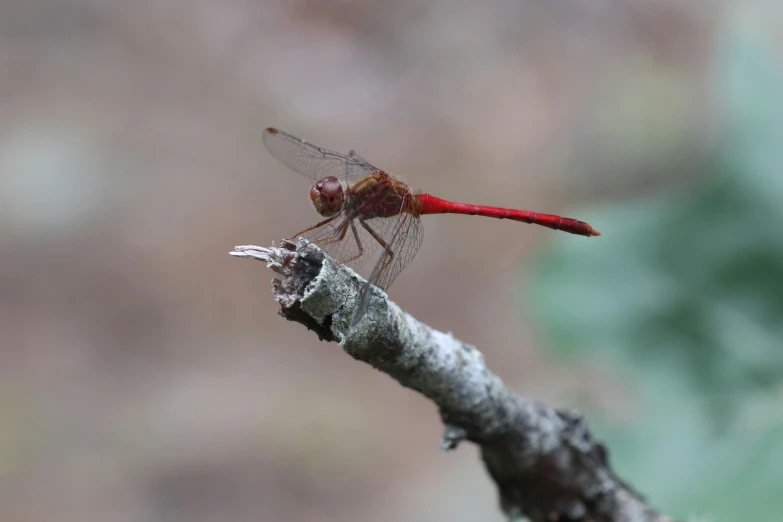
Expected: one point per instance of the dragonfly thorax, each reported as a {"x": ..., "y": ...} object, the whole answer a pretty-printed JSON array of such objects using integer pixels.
[{"x": 327, "y": 196}]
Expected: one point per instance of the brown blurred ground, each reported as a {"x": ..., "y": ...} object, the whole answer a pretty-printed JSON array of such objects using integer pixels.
[{"x": 145, "y": 375}]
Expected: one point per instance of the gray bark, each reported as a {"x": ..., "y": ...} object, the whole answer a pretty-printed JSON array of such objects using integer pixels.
[{"x": 545, "y": 463}]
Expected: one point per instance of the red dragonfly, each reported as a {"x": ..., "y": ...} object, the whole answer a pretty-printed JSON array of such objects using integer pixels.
[{"x": 366, "y": 208}]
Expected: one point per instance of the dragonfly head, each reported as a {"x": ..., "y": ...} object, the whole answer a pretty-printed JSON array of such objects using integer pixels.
[{"x": 327, "y": 196}]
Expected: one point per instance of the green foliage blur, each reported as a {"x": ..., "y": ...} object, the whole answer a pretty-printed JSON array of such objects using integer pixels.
[{"x": 682, "y": 297}]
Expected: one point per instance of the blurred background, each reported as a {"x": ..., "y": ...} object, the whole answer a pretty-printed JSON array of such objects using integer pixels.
[{"x": 144, "y": 373}]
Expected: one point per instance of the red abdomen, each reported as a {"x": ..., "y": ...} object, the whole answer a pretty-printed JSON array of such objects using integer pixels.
[{"x": 427, "y": 204}]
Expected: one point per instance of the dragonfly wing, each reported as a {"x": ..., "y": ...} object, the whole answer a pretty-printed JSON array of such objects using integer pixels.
[
  {"x": 406, "y": 235},
  {"x": 356, "y": 156},
  {"x": 400, "y": 236},
  {"x": 312, "y": 161}
]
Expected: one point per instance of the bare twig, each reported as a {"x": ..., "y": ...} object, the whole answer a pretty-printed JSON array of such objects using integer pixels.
[{"x": 545, "y": 463}]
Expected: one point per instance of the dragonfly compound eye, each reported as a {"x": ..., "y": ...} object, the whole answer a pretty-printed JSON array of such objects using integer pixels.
[{"x": 327, "y": 196}]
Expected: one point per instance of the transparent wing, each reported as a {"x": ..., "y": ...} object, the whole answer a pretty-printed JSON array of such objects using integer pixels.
[
  {"x": 311, "y": 161},
  {"x": 406, "y": 235}
]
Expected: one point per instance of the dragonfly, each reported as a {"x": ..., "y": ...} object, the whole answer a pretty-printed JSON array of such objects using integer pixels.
[{"x": 367, "y": 209}]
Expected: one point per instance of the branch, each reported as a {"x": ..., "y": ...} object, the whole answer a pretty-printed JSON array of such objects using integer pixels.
[{"x": 545, "y": 463}]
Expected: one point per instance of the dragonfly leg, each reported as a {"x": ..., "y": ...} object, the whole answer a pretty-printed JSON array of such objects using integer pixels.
[
  {"x": 380, "y": 240},
  {"x": 317, "y": 225},
  {"x": 334, "y": 238},
  {"x": 358, "y": 243}
]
